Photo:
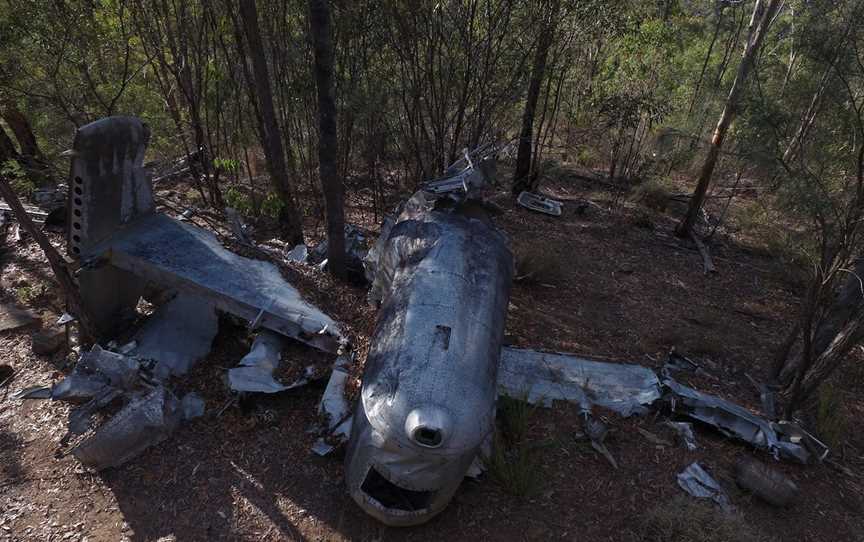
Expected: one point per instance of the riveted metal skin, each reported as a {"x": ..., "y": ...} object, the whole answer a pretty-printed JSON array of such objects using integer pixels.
[{"x": 428, "y": 397}]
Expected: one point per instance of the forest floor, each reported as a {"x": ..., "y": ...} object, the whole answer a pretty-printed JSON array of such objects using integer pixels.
[{"x": 613, "y": 282}]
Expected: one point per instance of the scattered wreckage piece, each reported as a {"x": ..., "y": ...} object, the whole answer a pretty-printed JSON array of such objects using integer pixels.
[
  {"x": 177, "y": 335},
  {"x": 765, "y": 482},
  {"x": 783, "y": 439},
  {"x": 12, "y": 318},
  {"x": 254, "y": 373},
  {"x": 145, "y": 421},
  {"x": 698, "y": 483},
  {"x": 547, "y": 376},
  {"x": 685, "y": 434},
  {"x": 427, "y": 402},
  {"x": 535, "y": 202},
  {"x": 335, "y": 410},
  {"x": 96, "y": 371}
]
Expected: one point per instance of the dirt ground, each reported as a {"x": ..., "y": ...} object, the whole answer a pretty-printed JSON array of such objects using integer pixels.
[{"x": 614, "y": 283}]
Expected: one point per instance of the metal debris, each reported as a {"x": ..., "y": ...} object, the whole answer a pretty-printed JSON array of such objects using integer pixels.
[
  {"x": 192, "y": 406},
  {"x": 177, "y": 335},
  {"x": 685, "y": 434},
  {"x": 299, "y": 253},
  {"x": 698, "y": 483},
  {"x": 546, "y": 377},
  {"x": 33, "y": 392},
  {"x": 541, "y": 204},
  {"x": 181, "y": 256},
  {"x": 765, "y": 482},
  {"x": 335, "y": 410},
  {"x": 146, "y": 421},
  {"x": 735, "y": 421},
  {"x": 96, "y": 371},
  {"x": 255, "y": 370},
  {"x": 12, "y": 317}
]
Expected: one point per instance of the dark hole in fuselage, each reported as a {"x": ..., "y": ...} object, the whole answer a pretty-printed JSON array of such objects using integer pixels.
[
  {"x": 392, "y": 496},
  {"x": 426, "y": 436}
]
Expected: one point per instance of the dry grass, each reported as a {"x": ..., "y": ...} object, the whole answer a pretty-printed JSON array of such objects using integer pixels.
[
  {"x": 539, "y": 263},
  {"x": 684, "y": 519}
]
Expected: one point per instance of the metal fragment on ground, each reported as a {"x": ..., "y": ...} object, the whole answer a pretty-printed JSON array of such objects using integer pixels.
[
  {"x": 254, "y": 373},
  {"x": 698, "y": 483},
  {"x": 335, "y": 410},
  {"x": 546, "y": 377},
  {"x": 192, "y": 406},
  {"x": 177, "y": 335},
  {"x": 299, "y": 253},
  {"x": 33, "y": 392},
  {"x": 12, "y": 317},
  {"x": 146, "y": 421},
  {"x": 95, "y": 371},
  {"x": 736, "y": 421},
  {"x": 767, "y": 483},
  {"x": 685, "y": 434},
  {"x": 541, "y": 204}
]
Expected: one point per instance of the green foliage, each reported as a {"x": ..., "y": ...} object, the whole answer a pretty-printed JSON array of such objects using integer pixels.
[
  {"x": 236, "y": 199},
  {"x": 515, "y": 462},
  {"x": 272, "y": 205},
  {"x": 12, "y": 171}
]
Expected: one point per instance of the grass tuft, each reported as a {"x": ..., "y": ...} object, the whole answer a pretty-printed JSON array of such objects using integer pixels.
[{"x": 685, "y": 519}]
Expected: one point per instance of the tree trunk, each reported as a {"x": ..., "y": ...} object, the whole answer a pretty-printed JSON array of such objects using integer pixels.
[
  {"x": 331, "y": 184},
  {"x": 759, "y": 23},
  {"x": 7, "y": 148},
  {"x": 20, "y": 126},
  {"x": 274, "y": 150},
  {"x": 522, "y": 175},
  {"x": 58, "y": 265}
]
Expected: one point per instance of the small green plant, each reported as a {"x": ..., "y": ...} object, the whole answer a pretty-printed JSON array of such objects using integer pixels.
[
  {"x": 226, "y": 164},
  {"x": 28, "y": 293},
  {"x": 17, "y": 177},
  {"x": 238, "y": 200},
  {"x": 272, "y": 205},
  {"x": 831, "y": 422},
  {"x": 514, "y": 462}
]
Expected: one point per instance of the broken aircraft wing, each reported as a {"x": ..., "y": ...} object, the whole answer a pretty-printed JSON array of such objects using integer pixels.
[
  {"x": 543, "y": 377},
  {"x": 179, "y": 255}
]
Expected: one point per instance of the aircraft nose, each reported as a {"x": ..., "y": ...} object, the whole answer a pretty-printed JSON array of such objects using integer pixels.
[{"x": 428, "y": 426}]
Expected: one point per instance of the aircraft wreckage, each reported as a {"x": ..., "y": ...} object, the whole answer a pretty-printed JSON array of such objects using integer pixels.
[{"x": 441, "y": 272}]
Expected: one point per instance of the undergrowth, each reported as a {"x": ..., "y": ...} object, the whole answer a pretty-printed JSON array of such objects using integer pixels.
[
  {"x": 684, "y": 519},
  {"x": 514, "y": 462}
]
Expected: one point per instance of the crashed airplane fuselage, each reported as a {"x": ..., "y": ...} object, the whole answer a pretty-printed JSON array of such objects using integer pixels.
[{"x": 427, "y": 402}]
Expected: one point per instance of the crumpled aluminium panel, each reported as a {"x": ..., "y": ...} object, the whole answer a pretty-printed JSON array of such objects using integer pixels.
[
  {"x": 736, "y": 421},
  {"x": 185, "y": 258},
  {"x": 177, "y": 335},
  {"x": 543, "y": 377},
  {"x": 698, "y": 483},
  {"x": 146, "y": 421}
]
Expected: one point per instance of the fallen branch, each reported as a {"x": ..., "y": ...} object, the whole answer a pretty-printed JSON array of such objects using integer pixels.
[
  {"x": 58, "y": 264},
  {"x": 707, "y": 263}
]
